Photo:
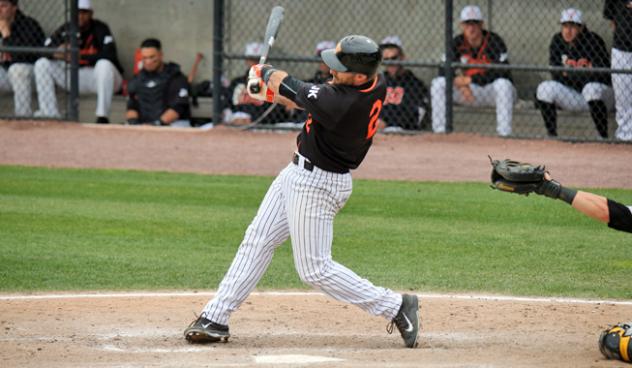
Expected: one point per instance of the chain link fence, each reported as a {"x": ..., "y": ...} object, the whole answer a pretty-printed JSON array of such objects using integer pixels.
[
  {"x": 511, "y": 68},
  {"x": 25, "y": 26}
]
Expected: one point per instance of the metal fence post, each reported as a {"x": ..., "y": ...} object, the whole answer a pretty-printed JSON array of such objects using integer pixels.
[
  {"x": 449, "y": 72},
  {"x": 73, "y": 100},
  {"x": 218, "y": 62}
]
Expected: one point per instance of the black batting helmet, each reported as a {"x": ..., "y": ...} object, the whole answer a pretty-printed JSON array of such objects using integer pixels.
[{"x": 356, "y": 54}]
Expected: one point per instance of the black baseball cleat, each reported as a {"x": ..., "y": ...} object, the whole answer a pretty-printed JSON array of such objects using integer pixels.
[
  {"x": 407, "y": 320},
  {"x": 204, "y": 330}
]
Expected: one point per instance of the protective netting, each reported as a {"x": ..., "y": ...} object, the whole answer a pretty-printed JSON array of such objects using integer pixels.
[
  {"x": 24, "y": 26},
  {"x": 531, "y": 59}
]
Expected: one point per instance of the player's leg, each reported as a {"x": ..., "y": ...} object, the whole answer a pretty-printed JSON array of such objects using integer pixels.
[
  {"x": 437, "y": 95},
  {"x": 21, "y": 78},
  {"x": 267, "y": 231},
  {"x": 5, "y": 84},
  {"x": 504, "y": 94},
  {"x": 597, "y": 96},
  {"x": 314, "y": 198},
  {"x": 107, "y": 80},
  {"x": 545, "y": 97},
  {"x": 47, "y": 74},
  {"x": 622, "y": 85}
]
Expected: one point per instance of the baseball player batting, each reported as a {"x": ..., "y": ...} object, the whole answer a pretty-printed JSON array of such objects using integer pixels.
[{"x": 305, "y": 197}]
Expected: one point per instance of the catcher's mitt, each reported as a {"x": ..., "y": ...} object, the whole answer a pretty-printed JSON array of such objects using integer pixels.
[
  {"x": 516, "y": 177},
  {"x": 614, "y": 342}
]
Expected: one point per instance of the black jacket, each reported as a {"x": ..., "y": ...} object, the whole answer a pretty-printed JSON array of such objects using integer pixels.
[
  {"x": 405, "y": 94},
  {"x": 587, "y": 45},
  {"x": 25, "y": 31},
  {"x": 620, "y": 12},
  {"x": 152, "y": 93},
  {"x": 95, "y": 43},
  {"x": 492, "y": 51}
]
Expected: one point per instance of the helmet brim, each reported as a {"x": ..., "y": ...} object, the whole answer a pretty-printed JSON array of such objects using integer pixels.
[{"x": 332, "y": 61}]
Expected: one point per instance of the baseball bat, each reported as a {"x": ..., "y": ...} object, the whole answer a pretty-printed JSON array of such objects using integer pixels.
[{"x": 272, "y": 29}]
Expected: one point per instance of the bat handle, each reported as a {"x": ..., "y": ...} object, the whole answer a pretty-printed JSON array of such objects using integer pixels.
[{"x": 254, "y": 89}]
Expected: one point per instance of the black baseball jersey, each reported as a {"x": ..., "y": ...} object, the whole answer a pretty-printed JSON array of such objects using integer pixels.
[
  {"x": 587, "y": 47},
  {"x": 25, "y": 31},
  {"x": 95, "y": 43},
  {"x": 341, "y": 122},
  {"x": 492, "y": 51},
  {"x": 152, "y": 93},
  {"x": 620, "y": 12},
  {"x": 405, "y": 95}
]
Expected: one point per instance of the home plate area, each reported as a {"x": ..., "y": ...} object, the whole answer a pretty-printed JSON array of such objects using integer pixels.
[{"x": 297, "y": 329}]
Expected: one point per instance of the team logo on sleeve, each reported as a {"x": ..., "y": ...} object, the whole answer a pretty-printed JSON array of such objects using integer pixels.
[{"x": 313, "y": 92}]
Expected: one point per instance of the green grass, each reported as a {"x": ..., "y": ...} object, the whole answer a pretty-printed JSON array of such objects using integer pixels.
[{"x": 121, "y": 230}]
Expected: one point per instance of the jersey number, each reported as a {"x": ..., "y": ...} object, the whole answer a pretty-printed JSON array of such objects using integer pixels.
[{"x": 373, "y": 115}]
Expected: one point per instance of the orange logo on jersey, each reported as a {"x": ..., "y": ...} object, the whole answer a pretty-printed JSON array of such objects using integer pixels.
[
  {"x": 394, "y": 96},
  {"x": 308, "y": 123}
]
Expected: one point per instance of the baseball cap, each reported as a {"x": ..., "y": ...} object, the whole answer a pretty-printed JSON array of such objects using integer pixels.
[
  {"x": 571, "y": 15},
  {"x": 391, "y": 41},
  {"x": 471, "y": 13},
  {"x": 84, "y": 5},
  {"x": 324, "y": 45},
  {"x": 253, "y": 49}
]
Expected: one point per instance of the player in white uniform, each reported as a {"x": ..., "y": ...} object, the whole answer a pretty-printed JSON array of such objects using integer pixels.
[
  {"x": 620, "y": 13},
  {"x": 477, "y": 87},
  {"x": 306, "y": 196}
]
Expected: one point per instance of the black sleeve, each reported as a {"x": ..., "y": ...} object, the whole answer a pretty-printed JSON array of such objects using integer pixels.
[
  {"x": 57, "y": 38},
  {"x": 178, "y": 95},
  {"x": 455, "y": 54},
  {"x": 620, "y": 216},
  {"x": 322, "y": 101},
  {"x": 608, "y": 9},
  {"x": 104, "y": 41},
  {"x": 132, "y": 100},
  {"x": 555, "y": 56},
  {"x": 600, "y": 57},
  {"x": 499, "y": 55}
]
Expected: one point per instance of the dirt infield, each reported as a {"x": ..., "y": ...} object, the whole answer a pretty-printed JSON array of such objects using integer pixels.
[{"x": 292, "y": 329}]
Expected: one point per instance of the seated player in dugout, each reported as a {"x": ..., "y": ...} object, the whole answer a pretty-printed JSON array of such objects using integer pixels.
[
  {"x": 245, "y": 109},
  {"x": 99, "y": 69},
  {"x": 476, "y": 86},
  {"x": 16, "y": 69},
  {"x": 159, "y": 93},
  {"x": 576, "y": 47},
  {"x": 407, "y": 101}
]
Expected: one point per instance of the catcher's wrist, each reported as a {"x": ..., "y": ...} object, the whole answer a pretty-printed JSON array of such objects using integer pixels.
[
  {"x": 567, "y": 195},
  {"x": 266, "y": 72}
]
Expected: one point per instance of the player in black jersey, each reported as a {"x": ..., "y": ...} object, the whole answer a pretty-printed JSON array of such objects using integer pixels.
[{"x": 306, "y": 196}]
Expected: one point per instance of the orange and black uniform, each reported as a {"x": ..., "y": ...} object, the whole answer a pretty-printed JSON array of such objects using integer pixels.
[
  {"x": 492, "y": 51},
  {"x": 95, "y": 43},
  {"x": 341, "y": 122}
]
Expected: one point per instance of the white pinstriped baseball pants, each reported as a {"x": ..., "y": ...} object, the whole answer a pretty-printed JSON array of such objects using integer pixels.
[{"x": 300, "y": 204}]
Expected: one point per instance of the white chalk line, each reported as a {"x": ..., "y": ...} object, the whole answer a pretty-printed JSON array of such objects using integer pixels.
[{"x": 179, "y": 294}]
